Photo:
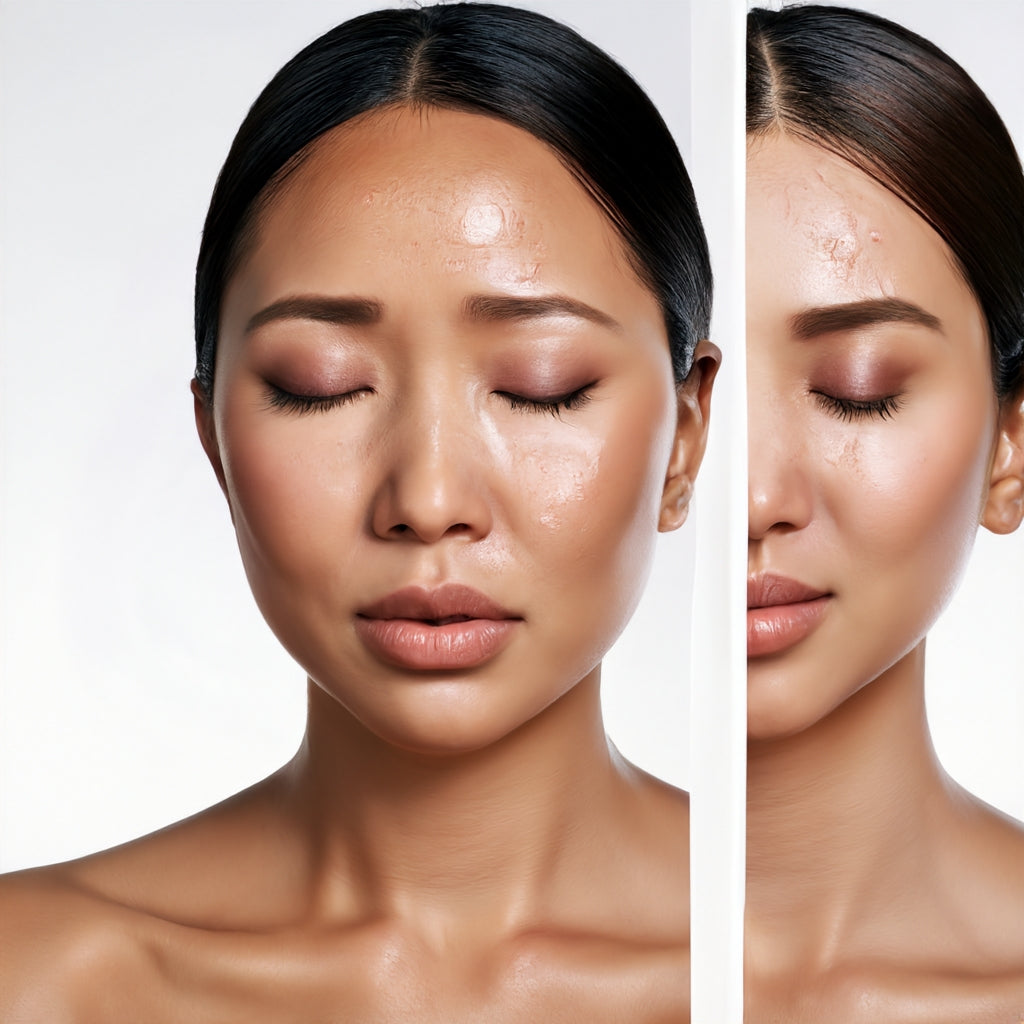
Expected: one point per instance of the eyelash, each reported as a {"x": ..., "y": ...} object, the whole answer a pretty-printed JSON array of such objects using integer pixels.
[
  {"x": 281, "y": 399},
  {"x": 849, "y": 409},
  {"x": 574, "y": 400}
]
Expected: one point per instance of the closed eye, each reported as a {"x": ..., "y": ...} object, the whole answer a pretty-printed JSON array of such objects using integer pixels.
[
  {"x": 849, "y": 409},
  {"x": 281, "y": 399},
  {"x": 554, "y": 405}
]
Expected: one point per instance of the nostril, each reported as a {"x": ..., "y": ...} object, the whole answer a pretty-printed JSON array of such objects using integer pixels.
[{"x": 424, "y": 532}]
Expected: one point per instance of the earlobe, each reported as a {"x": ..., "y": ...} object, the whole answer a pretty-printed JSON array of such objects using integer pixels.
[
  {"x": 1004, "y": 504},
  {"x": 694, "y": 397},
  {"x": 675, "y": 504},
  {"x": 207, "y": 431}
]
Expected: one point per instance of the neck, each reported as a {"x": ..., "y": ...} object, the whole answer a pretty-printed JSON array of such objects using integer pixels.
[
  {"x": 841, "y": 816},
  {"x": 482, "y": 836}
]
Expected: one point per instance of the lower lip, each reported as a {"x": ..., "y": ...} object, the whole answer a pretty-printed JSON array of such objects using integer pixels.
[
  {"x": 412, "y": 644},
  {"x": 776, "y": 628}
]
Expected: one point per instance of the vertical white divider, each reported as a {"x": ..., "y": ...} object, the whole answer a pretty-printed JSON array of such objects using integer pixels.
[{"x": 718, "y": 685}]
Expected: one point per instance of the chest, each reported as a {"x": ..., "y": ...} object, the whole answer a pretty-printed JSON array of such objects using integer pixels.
[{"x": 380, "y": 979}]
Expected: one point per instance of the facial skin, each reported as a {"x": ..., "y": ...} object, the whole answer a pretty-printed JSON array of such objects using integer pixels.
[
  {"x": 872, "y": 445},
  {"x": 527, "y": 451}
]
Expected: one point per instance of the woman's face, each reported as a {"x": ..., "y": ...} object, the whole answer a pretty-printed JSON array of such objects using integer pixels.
[
  {"x": 445, "y": 421},
  {"x": 872, "y": 427}
]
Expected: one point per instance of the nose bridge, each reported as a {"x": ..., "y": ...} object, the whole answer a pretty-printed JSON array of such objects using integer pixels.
[
  {"x": 434, "y": 481},
  {"x": 778, "y": 492}
]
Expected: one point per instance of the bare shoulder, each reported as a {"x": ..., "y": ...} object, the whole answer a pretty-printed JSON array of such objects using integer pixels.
[
  {"x": 61, "y": 947},
  {"x": 895, "y": 989},
  {"x": 655, "y": 801},
  {"x": 649, "y": 863},
  {"x": 659, "y": 816},
  {"x": 992, "y": 893},
  {"x": 968, "y": 963},
  {"x": 73, "y": 934},
  {"x": 901, "y": 994}
]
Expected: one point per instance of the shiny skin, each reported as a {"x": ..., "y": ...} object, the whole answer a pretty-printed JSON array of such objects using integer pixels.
[
  {"x": 878, "y": 510},
  {"x": 447, "y": 845},
  {"x": 877, "y": 888},
  {"x": 432, "y": 473}
]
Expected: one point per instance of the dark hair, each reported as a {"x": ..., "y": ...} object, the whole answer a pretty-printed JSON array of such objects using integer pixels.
[
  {"x": 906, "y": 114},
  {"x": 507, "y": 63}
]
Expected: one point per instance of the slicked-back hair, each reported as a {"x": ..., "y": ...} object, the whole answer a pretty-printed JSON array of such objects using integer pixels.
[
  {"x": 905, "y": 113},
  {"x": 514, "y": 65}
]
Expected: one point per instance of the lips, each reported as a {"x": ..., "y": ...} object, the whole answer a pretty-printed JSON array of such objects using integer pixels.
[
  {"x": 766, "y": 590},
  {"x": 781, "y": 612},
  {"x": 447, "y": 628},
  {"x": 450, "y": 601}
]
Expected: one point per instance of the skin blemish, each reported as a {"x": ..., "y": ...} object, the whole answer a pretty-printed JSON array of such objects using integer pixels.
[
  {"x": 836, "y": 238},
  {"x": 844, "y": 250},
  {"x": 529, "y": 273},
  {"x": 877, "y": 507},
  {"x": 847, "y": 457},
  {"x": 484, "y": 224},
  {"x": 567, "y": 494}
]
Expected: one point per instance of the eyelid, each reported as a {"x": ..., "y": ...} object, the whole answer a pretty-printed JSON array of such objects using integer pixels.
[
  {"x": 279, "y": 398},
  {"x": 848, "y": 409},
  {"x": 553, "y": 404}
]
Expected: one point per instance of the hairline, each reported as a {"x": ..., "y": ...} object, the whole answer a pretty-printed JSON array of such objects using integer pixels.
[{"x": 253, "y": 219}]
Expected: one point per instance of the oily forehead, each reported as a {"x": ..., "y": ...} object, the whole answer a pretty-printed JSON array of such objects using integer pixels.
[
  {"x": 414, "y": 183},
  {"x": 835, "y": 234},
  {"x": 448, "y": 171}
]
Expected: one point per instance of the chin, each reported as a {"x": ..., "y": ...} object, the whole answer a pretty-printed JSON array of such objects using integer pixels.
[
  {"x": 765, "y": 725},
  {"x": 443, "y": 725},
  {"x": 780, "y": 704}
]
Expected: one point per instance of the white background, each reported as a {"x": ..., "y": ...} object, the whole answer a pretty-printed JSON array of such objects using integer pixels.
[{"x": 139, "y": 683}]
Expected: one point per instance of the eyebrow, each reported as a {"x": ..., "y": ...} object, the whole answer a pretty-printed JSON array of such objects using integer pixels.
[
  {"x": 488, "y": 308},
  {"x": 497, "y": 308},
  {"x": 322, "y": 308},
  {"x": 848, "y": 316}
]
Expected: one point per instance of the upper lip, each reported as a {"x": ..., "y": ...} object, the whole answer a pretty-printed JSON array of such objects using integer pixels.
[
  {"x": 766, "y": 590},
  {"x": 452, "y": 601}
]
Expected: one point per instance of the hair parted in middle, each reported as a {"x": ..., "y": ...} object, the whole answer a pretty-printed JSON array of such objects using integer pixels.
[
  {"x": 503, "y": 62},
  {"x": 908, "y": 116}
]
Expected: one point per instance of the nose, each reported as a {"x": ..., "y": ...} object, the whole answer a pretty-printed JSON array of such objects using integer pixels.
[
  {"x": 435, "y": 476},
  {"x": 779, "y": 495}
]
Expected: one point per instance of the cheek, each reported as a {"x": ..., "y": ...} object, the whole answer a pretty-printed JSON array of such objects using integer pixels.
[
  {"x": 589, "y": 501},
  {"x": 291, "y": 501},
  {"x": 907, "y": 492}
]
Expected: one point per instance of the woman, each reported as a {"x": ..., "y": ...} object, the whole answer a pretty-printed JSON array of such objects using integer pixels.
[
  {"x": 94, "y": 512},
  {"x": 885, "y": 333},
  {"x": 451, "y": 379}
]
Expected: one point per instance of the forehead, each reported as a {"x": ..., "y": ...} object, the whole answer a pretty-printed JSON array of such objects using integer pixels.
[
  {"x": 833, "y": 234},
  {"x": 420, "y": 184}
]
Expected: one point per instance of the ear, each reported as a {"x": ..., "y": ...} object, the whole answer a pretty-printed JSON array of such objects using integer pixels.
[
  {"x": 694, "y": 398},
  {"x": 1004, "y": 504},
  {"x": 208, "y": 431}
]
